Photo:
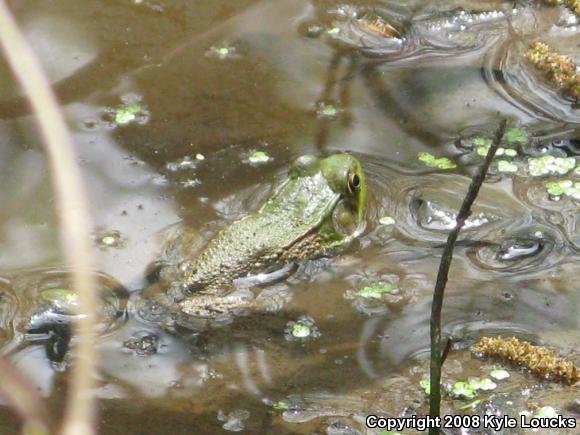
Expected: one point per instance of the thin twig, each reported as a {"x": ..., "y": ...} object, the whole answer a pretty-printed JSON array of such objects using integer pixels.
[
  {"x": 443, "y": 273},
  {"x": 73, "y": 214}
]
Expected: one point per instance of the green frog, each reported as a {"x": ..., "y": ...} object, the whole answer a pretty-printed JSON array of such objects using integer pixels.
[{"x": 318, "y": 209}]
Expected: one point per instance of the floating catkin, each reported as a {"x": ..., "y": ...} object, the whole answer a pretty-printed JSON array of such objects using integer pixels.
[
  {"x": 538, "y": 360},
  {"x": 559, "y": 69}
]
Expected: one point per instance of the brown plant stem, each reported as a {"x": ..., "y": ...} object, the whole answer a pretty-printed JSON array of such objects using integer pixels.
[
  {"x": 72, "y": 212},
  {"x": 25, "y": 399},
  {"x": 443, "y": 274}
]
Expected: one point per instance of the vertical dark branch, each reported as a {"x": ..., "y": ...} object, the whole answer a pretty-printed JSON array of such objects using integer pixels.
[{"x": 443, "y": 273}]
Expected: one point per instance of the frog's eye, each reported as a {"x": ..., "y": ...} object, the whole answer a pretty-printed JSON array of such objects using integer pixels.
[{"x": 353, "y": 182}]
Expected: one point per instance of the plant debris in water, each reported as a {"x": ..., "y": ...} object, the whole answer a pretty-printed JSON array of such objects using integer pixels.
[
  {"x": 574, "y": 5},
  {"x": 559, "y": 69},
  {"x": 374, "y": 23},
  {"x": 538, "y": 360},
  {"x": 434, "y": 162}
]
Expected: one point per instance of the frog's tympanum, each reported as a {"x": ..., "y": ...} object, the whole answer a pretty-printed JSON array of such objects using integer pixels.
[{"x": 317, "y": 210}]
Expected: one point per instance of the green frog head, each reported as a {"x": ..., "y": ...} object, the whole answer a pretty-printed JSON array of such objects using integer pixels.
[{"x": 327, "y": 198}]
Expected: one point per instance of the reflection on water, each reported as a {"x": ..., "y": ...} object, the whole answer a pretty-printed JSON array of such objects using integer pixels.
[{"x": 167, "y": 101}]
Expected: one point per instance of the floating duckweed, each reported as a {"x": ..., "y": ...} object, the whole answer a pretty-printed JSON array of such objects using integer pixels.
[
  {"x": 333, "y": 31},
  {"x": 564, "y": 187},
  {"x": 425, "y": 384},
  {"x": 516, "y": 136},
  {"x": 545, "y": 412},
  {"x": 546, "y": 165},
  {"x": 126, "y": 114},
  {"x": 480, "y": 141},
  {"x": 539, "y": 360},
  {"x": 558, "y": 188},
  {"x": 499, "y": 374},
  {"x": 482, "y": 151},
  {"x": 111, "y": 239},
  {"x": 376, "y": 290},
  {"x": 301, "y": 329},
  {"x": 560, "y": 70},
  {"x": 280, "y": 406},
  {"x": 108, "y": 240},
  {"x": 386, "y": 220},
  {"x": 463, "y": 390},
  {"x": 433, "y": 162},
  {"x": 259, "y": 157},
  {"x": 223, "y": 52},
  {"x": 389, "y": 432},
  {"x": 326, "y": 110},
  {"x": 506, "y": 166},
  {"x": 485, "y": 384}
]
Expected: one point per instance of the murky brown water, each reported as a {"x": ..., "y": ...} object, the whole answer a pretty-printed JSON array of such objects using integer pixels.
[{"x": 223, "y": 79}]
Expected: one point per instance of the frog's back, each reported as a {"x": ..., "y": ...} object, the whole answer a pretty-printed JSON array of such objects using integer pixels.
[{"x": 265, "y": 238}]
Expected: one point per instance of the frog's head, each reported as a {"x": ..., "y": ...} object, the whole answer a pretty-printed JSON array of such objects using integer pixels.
[{"x": 336, "y": 187}]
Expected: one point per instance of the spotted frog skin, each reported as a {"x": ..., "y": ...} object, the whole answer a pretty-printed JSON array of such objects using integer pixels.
[{"x": 318, "y": 209}]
